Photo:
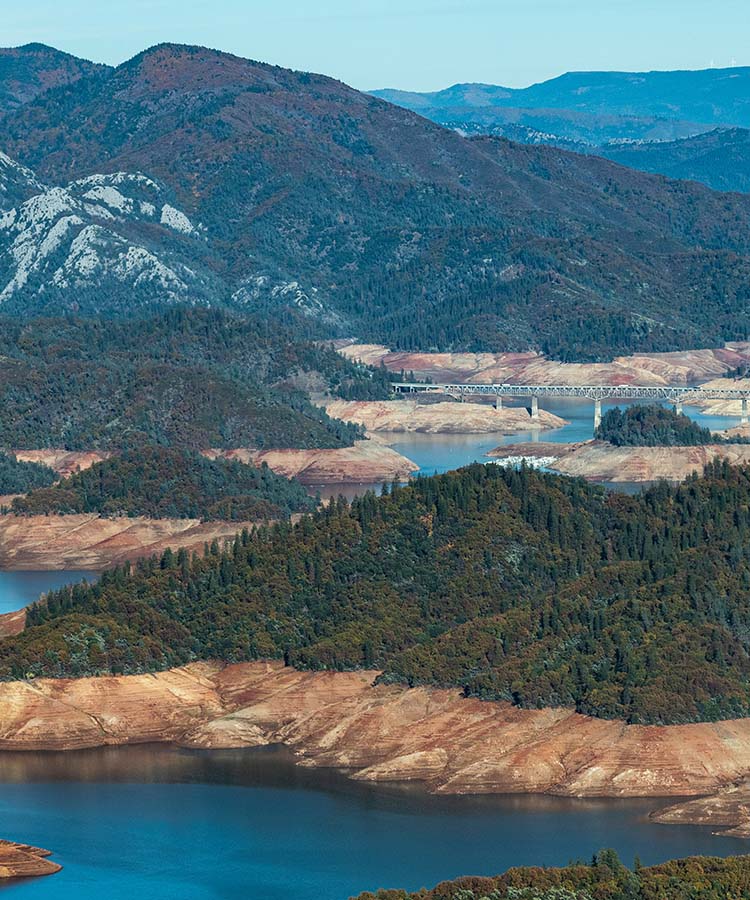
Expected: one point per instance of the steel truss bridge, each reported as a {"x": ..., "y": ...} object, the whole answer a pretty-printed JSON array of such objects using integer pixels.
[{"x": 677, "y": 396}]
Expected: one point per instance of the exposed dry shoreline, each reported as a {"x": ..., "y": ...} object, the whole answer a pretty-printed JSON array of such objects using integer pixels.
[
  {"x": 87, "y": 541},
  {"x": 399, "y": 416},
  {"x": 682, "y": 367},
  {"x": 24, "y": 861},
  {"x": 363, "y": 463},
  {"x": 599, "y": 461},
  {"x": 386, "y": 733}
]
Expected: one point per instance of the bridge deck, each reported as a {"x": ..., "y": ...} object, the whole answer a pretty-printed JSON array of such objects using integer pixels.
[{"x": 591, "y": 392}]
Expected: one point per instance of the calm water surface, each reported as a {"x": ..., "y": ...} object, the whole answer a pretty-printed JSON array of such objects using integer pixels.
[
  {"x": 436, "y": 453},
  {"x": 18, "y": 589},
  {"x": 153, "y": 822}
]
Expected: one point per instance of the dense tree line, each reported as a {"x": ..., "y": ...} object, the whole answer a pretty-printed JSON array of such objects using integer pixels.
[
  {"x": 171, "y": 483},
  {"x": 605, "y": 878},
  {"x": 512, "y": 584},
  {"x": 181, "y": 377},
  {"x": 17, "y": 477},
  {"x": 651, "y": 425}
]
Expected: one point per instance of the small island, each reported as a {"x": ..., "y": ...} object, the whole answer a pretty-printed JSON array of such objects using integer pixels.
[{"x": 24, "y": 861}]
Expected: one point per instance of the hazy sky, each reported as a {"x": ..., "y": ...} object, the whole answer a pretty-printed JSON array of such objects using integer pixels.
[{"x": 414, "y": 44}]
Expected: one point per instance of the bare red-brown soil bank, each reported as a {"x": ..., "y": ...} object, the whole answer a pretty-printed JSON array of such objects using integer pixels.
[
  {"x": 679, "y": 368},
  {"x": 24, "y": 861},
  {"x": 600, "y": 461},
  {"x": 398, "y": 416},
  {"x": 366, "y": 462},
  {"x": 384, "y": 733},
  {"x": 87, "y": 541}
]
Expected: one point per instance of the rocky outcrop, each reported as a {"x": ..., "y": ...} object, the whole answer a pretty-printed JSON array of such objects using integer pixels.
[
  {"x": 87, "y": 541},
  {"x": 367, "y": 462},
  {"x": 435, "y": 737},
  {"x": 24, "y": 861},
  {"x": 679, "y": 368},
  {"x": 599, "y": 461},
  {"x": 440, "y": 418}
]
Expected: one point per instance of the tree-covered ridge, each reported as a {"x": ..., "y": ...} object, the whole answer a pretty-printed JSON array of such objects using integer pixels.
[
  {"x": 514, "y": 585},
  {"x": 171, "y": 483},
  {"x": 183, "y": 377},
  {"x": 17, "y": 477},
  {"x": 606, "y": 878},
  {"x": 651, "y": 425}
]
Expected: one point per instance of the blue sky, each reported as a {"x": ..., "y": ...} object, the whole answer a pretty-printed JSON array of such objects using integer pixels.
[{"x": 413, "y": 44}]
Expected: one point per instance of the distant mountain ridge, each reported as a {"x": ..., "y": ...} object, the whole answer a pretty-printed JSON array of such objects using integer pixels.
[
  {"x": 377, "y": 222},
  {"x": 707, "y": 96}
]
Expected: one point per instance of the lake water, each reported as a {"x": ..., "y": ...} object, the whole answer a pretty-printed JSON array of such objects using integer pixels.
[
  {"x": 436, "y": 453},
  {"x": 153, "y": 822},
  {"x": 18, "y": 589}
]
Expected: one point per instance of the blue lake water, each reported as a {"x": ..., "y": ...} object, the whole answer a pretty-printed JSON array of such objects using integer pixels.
[
  {"x": 153, "y": 822},
  {"x": 18, "y": 589},
  {"x": 436, "y": 453}
]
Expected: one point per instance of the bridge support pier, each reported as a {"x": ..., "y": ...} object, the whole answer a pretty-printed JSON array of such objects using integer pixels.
[
  {"x": 535, "y": 407},
  {"x": 743, "y": 420},
  {"x": 597, "y": 413},
  {"x": 498, "y": 404},
  {"x": 678, "y": 407}
]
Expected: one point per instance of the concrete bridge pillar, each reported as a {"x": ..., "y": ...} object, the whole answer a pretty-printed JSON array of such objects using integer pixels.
[
  {"x": 744, "y": 411},
  {"x": 535, "y": 407},
  {"x": 498, "y": 401},
  {"x": 678, "y": 407},
  {"x": 597, "y": 413}
]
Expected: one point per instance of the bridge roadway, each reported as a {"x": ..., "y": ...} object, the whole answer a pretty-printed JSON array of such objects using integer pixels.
[{"x": 596, "y": 392}]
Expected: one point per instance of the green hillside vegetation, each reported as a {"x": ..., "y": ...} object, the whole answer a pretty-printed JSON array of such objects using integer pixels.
[
  {"x": 17, "y": 477},
  {"x": 654, "y": 426},
  {"x": 192, "y": 378},
  {"x": 606, "y": 878},
  {"x": 511, "y": 584},
  {"x": 165, "y": 483}
]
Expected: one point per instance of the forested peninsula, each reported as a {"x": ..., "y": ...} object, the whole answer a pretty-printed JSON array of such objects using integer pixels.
[{"x": 510, "y": 584}]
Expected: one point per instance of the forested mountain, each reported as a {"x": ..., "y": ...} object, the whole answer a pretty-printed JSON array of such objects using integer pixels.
[
  {"x": 26, "y": 72},
  {"x": 537, "y": 589},
  {"x": 170, "y": 483},
  {"x": 719, "y": 158},
  {"x": 193, "y": 378},
  {"x": 377, "y": 222},
  {"x": 605, "y": 878}
]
